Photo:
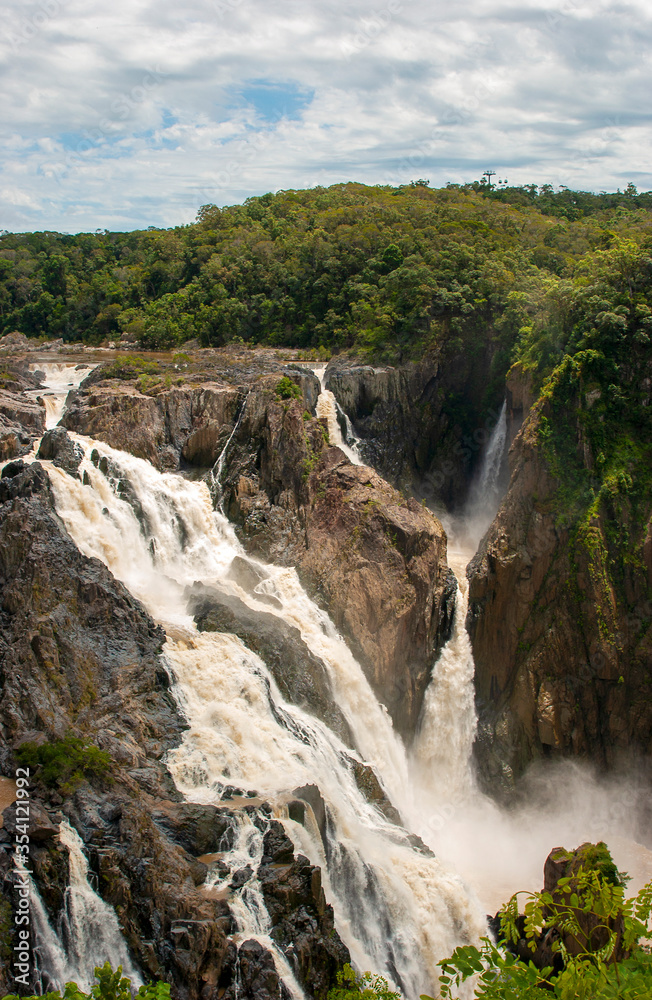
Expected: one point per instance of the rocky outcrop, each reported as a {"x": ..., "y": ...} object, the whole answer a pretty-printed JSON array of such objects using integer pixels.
[
  {"x": 80, "y": 657},
  {"x": 591, "y": 931},
  {"x": 172, "y": 415},
  {"x": 375, "y": 561},
  {"x": 57, "y": 447},
  {"x": 22, "y": 416},
  {"x": 183, "y": 424},
  {"x": 561, "y": 640},
  {"x": 422, "y": 424}
]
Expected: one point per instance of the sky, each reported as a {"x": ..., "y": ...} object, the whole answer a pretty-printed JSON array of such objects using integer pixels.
[{"x": 135, "y": 113}]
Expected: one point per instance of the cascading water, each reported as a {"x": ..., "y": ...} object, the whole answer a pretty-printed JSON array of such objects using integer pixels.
[
  {"x": 88, "y": 932},
  {"x": 328, "y": 408},
  {"x": 486, "y": 491},
  {"x": 88, "y": 927},
  {"x": 60, "y": 378},
  {"x": 247, "y": 902},
  {"x": 399, "y": 909}
]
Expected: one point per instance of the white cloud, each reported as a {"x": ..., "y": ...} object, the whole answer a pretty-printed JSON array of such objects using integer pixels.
[{"x": 134, "y": 114}]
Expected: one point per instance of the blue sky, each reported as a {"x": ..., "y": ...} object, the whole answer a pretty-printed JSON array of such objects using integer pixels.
[{"x": 136, "y": 113}]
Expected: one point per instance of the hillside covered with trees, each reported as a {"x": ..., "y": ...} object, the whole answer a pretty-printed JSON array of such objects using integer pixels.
[{"x": 378, "y": 269}]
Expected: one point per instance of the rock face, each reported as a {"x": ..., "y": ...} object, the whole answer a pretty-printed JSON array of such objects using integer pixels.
[
  {"x": 61, "y": 450},
  {"x": 562, "y": 648},
  {"x": 423, "y": 424},
  {"x": 376, "y": 562},
  {"x": 22, "y": 416},
  {"x": 175, "y": 416},
  {"x": 81, "y": 657},
  {"x": 185, "y": 424}
]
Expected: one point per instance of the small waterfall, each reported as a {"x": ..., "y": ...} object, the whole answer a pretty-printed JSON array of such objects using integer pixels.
[
  {"x": 218, "y": 471},
  {"x": 327, "y": 406},
  {"x": 398, "y": 909},
  {"x": 60, "y": 378},
  {"x": 88, "y": 927},
  {"x": 51, "y": 964},
  {"x": 486, "y": 491},
  {"x": 87, "y": 934},
  {"x": 247, "y": 902}
]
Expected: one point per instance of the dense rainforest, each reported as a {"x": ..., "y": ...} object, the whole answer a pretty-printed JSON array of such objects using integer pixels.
[{"x": 556, "y": 281}]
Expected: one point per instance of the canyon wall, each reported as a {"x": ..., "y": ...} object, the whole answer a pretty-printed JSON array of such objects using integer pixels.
[{"x": 560, "y": 609}]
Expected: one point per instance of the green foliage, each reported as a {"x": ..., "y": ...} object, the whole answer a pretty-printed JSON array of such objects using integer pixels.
[
  {"x": 594, "y": 935},
  {"x": 383, "y": 270},
  {"x": 352, "y": 986},
  {"x": 64, "y": 764},
  {"x": 287, "y": 389},
  {"x": 110, "y": 986}
]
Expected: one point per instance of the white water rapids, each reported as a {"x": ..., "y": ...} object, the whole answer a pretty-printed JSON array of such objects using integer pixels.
[
  {"x": 60, "y": 378},
  {"x": 398, "y": 909}
]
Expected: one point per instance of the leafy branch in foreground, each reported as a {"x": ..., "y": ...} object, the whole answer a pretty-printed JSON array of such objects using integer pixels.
[
  {"x": 368, "y": 986},
  {"x": 110, "y": 986},
  {"x": 579, "y": 941}
]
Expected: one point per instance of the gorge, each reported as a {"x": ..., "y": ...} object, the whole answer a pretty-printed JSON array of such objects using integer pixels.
[{"x": 266, "y": 638}]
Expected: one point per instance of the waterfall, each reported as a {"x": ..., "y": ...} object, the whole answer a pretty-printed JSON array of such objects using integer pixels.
[
  {"x": 398, "y": 908},
  {"x": 441, "y": 753},
  {"x": 327, "y": 407},
  {"x": 51, "y": 964},
  {"x": 486, "y": 491},
  {"x": 246, "y": 902},
  {"x": 60, "y": 378},
  {"x": 218, "y": 471},
  {"x": 88, "y": 932},
  {"x": 88, "y": 927}
]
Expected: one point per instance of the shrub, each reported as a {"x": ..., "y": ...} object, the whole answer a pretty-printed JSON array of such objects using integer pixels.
[
  {"x": 287, "y": 389},
  {"x": 352, "y": 986},
  {"x": 64, "y": 764},
  {"x": 592, "y": 935},
  {"x": 110, "y": 986}
]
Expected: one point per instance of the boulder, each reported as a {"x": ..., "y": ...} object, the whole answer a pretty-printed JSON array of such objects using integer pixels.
[{"x": 57, "y": 447}]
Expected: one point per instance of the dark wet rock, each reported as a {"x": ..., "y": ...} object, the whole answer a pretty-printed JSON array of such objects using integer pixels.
[
  {"x": 368, "y": 783},
  {"x": 302, "y": 677},
  {"x": 40, "y": 825},
  {"x": 303, "y": 924},
  {"x": 241, "y": 877},
  {"x": 256, "y": 975},
  {"x": 278, "y": 849},
  {"x": 200, "y": 829},
  {"x": 61, "y": 450}
]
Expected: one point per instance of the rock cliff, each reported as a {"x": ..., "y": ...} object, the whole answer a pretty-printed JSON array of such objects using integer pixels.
[
  {"x": 22, "y": 414},
  {"x": 422, "y": 425},
  {"x": 172, "y": 415},
  {"x": 375, "y": 561},
  {"x": 560, "y": 610}
]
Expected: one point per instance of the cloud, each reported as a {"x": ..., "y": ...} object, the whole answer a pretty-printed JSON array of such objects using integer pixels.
[{"x": 135, "y": 114}]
